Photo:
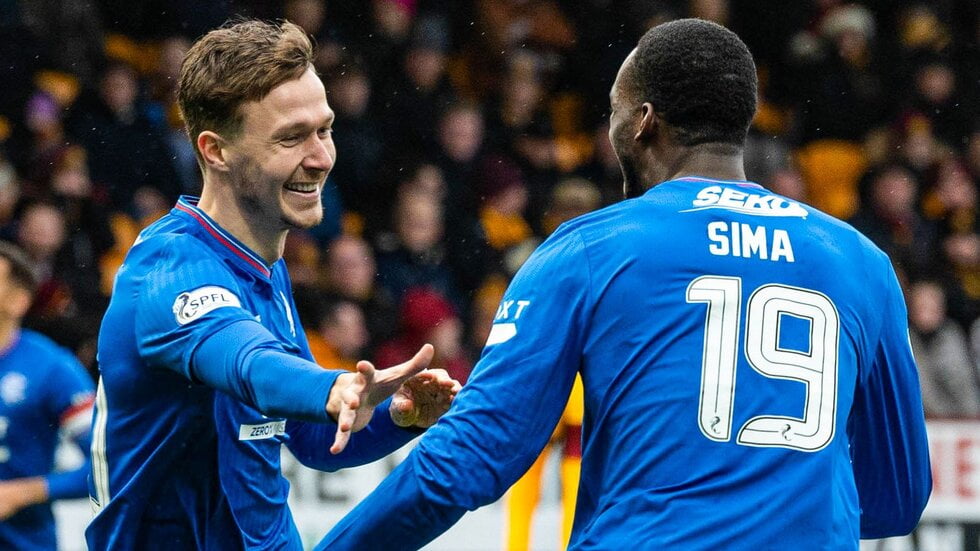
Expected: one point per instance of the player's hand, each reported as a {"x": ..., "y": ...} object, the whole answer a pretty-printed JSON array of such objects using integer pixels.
[
  {"x": 355, "y": 395},
  {"x": 17, "y": 493},
  {"x": 422, "y": 400}
]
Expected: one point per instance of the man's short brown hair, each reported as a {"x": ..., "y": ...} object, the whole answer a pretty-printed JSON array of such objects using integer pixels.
[{"x": 239, "y": 62}]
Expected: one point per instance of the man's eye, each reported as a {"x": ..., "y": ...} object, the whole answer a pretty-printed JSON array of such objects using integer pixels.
[
  {"x": 324, "y": 132},
  {"x": 289, "y": 141}
]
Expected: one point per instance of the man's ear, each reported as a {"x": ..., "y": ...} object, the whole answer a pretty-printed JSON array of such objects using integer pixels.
[
  {"x": 212, "y": 148},
  {"x": 648, "y": 123}
]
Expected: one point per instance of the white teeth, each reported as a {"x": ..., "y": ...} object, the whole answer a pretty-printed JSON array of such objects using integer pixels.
[{"x": 302, "y": 188}]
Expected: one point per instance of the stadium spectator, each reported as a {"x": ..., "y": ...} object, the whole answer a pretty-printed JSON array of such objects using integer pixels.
[
  {"x": 163, "y": 92},
  {"x": 127, "y": 150},
  {"x": 888, "y": 217},
  {"x": 350, "y": 271},
  {"x": 946, "y": 372},
  {"x": 302, "y": 254},
  {"x": 356, "y": 178},
  {"x": 571, "y": 198},
  {"x": 421, "y": 91},
  {"x": 603, "y": 168},
  {"x": 952, "y": 204},
  {"x": 460, "y": 138},
  {"x": 850, "y": 95},
  {"x": 47, "y": 134},
  {"x": 9, "y": 194},
  {"x": 937, "y": 99},
  {"x": 44, "y": 393},
  {"x": 414, "y": 255},
  {"x": 336, "y": 330},
  {"x": 41, "y": 233}
]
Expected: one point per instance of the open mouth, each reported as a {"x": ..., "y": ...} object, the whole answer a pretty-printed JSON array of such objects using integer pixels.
[{"x": 306, "y": 188}]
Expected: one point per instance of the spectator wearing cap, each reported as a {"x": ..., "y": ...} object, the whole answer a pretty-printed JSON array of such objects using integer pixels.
[{"x": 427, "y": 317}]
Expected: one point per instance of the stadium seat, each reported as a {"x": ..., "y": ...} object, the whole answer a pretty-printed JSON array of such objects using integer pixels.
[{"x": 831, "y": 170}]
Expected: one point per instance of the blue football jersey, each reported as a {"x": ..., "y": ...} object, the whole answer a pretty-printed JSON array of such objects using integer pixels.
[
  {"x": 205, "y": 373},
  {"x": 44, "y": 391},
  {"x": 748, "y": 384}
]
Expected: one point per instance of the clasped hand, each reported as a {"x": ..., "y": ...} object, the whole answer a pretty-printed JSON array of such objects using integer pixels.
[{"x": 420, "y": 396}]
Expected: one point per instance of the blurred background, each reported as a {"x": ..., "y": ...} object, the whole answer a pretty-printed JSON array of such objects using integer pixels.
[{"x": 467, "y": 131}]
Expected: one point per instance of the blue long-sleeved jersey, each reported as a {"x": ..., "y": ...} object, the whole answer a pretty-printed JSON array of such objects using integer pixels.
[
  {"x": 205, "y": 374},
  {"x": 44, "y": 390},
  {"x": 748, "y": 385}
]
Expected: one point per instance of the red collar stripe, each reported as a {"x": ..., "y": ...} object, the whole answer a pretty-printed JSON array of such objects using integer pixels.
[{"x": 235, "y": 248}]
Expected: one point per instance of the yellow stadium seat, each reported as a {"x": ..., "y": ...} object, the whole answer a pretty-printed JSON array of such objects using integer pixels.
[{"x": 831, "y": 170}]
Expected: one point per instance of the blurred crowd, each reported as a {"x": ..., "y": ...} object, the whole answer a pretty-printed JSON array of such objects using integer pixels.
[{"x": 468, "y": 131}]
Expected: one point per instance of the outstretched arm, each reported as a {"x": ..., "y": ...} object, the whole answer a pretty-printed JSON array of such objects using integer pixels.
[
  {"x": 416, "y": 405},
  {"x": 501, "y": 419}
]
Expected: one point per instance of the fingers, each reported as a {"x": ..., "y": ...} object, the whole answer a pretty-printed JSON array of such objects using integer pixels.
[
  {"x": 417, "y": 364},
  {"x": 340, "y": 441},
  {"x": 424, "y": 356},
  {"x": 387, "y": 381},
  {"x": 345, "y": 421},
  {"x": 366, "y": 369},
  {"x": 422, "y": 399}
]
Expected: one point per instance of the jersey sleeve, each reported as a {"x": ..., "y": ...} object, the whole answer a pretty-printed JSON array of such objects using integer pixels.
[
  {"x": 310, "y": 442},
  {"x": 190, "y": 319},
  {"x": 889, "y": 448},
  {"x": 502, "y": 418},
  {"x": 71, "y": 396}
]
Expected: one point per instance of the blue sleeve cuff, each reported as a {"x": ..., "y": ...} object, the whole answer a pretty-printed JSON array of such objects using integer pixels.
[
  {"x": 68, "y": 484},
  {"x": 310, "y": 443}
]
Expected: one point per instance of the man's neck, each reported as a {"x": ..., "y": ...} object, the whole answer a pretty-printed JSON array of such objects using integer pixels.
[
  {"x": 234, "y": 218},
  {"x": 715, "y": 161}
]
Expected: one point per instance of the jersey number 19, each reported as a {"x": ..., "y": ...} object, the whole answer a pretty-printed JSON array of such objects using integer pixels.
[{"x": 816, "y": 368}]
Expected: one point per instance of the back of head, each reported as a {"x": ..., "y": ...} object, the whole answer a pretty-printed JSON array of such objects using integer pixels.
[
  {"x": 700, "y": 78},
  {"x": 240, "y": 62}
]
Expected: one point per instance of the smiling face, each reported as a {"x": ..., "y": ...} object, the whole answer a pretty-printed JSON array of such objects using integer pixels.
[{"x": 280, "y": 158}]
